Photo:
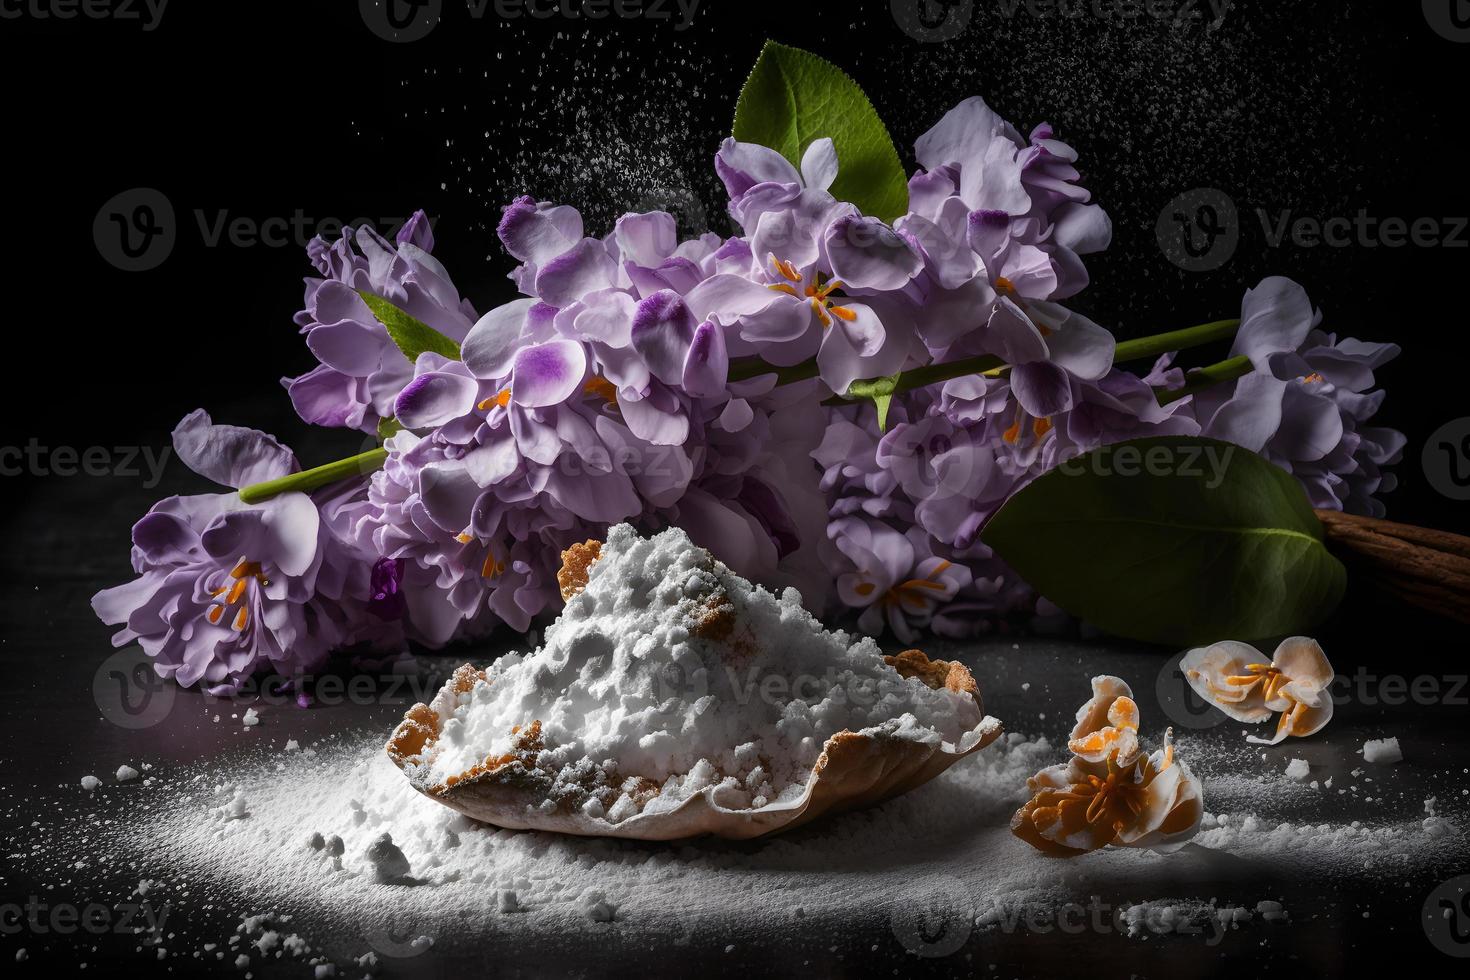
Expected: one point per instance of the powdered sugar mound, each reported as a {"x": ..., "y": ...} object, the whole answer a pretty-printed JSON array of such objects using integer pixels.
[{"x": 669, "y": 667}]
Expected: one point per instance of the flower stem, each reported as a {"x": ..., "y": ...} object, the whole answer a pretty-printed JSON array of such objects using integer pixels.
[
  {"x": 1173, "y": 340},
  {"x": 1128, "y": 350},
  {"x": 920, "y": 377},
  {"x": 1201, "y": 378},
  {"x": 318, "y": 476}
]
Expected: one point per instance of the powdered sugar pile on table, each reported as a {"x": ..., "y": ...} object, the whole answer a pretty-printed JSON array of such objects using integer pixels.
[{"x": 669, "y": 667}]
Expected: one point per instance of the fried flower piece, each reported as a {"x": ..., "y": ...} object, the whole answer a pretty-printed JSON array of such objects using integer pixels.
[
  {"x": 1111, "y": 792},
  {"x": 1235, "y": 678}
]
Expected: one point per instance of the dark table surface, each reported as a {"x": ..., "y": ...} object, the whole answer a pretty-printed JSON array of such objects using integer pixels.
[{"x": 60, "y": 710}]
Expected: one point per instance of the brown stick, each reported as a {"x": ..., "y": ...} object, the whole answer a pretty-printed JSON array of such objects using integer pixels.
[{"x": 1426, "y": 568}]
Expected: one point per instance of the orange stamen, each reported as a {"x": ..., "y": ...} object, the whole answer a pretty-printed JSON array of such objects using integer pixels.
[
  {"x": 602, "y": 388},
  {"x": 246, "y": 568},
  {"x": 501, "y": 400}
]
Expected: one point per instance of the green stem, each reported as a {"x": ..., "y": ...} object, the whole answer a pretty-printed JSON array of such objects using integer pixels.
[
  {"x": 1163, "y": 343},
  {"x": 753, "y": 367},
  {"x": 318, "y": 476},
  {"x": 1201, "y": 378},
  {"x": 1127, "y": 350},
  {"x": 921, "y": 377}
]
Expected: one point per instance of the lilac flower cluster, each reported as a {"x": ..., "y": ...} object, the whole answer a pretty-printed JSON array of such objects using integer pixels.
[{"x": 663, "y": 381}]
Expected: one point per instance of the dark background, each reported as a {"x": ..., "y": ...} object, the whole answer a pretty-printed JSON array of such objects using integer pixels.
[
  {"x": 242, "y": 110},
  {"x": 257, "y": 111}
]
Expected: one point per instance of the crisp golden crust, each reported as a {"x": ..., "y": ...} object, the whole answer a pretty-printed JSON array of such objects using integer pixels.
[
  {"x": 420, "y": 726},
  {"x": 855, "y": 769},
  {"x": 949, "y": 674},
  {"x": 576, "y": 562},
  {"x": 716, "y": 619},
  {"x": 524, "y": 749}
]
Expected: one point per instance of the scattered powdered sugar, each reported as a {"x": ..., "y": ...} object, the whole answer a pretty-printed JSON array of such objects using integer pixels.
[
  {"x": 670, "y": 667},
  {"x": 351, "y": 860}
]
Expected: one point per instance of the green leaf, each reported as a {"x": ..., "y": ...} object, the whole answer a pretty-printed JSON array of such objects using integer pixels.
[
  {"x": 880, "y": 391},
  {"x": 1172, "y": 539},
  {"x": 794, "y": 97},
  {"x": 412, "y": 336},
  {"x": 387, "y": 428}
]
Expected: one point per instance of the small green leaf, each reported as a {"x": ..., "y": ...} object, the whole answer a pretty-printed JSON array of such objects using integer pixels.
[
  {"x": 1172, "y": 539},
  {"x": 387, "y": 428},
  {"x": 880, "y": 392},
  {"x": 412, "y": 336},
  {"x": 794, "y": 97}
]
